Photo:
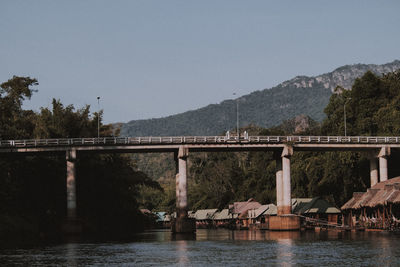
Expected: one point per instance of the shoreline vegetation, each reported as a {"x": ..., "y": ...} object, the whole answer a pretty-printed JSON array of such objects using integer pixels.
[{"x": 111, "y": 189}]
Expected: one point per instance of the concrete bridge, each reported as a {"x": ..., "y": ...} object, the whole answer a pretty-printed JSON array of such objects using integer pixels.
[{"x": 379, "y": 149}]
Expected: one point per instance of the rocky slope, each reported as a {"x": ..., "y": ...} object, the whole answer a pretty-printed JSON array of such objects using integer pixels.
[{"x": 265, "y": 108}]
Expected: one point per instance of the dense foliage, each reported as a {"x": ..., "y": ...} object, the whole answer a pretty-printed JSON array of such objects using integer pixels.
[
  {"x": 110, "y": 189},
  {"x": 372, "y": 108},
  {"x": 33, "y": 186}
]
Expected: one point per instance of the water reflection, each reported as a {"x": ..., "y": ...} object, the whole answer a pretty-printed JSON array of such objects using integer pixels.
[
  {"x": 285, "y": 252},
  {"x": 219, "y": 247},
  {"x": 282, "y": 235},
  {"x": 71, "y": 250},
  {"x": 183, "y": 259},
  {"x": 221, "y": 234},
  {"x": 183, "y": 236}
]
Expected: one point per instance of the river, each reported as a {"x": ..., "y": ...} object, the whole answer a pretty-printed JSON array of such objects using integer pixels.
[{"x": 219, "y": 248}]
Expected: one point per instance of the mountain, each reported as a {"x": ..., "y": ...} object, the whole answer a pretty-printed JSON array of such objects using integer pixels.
[{"x": 265, "y": 108}]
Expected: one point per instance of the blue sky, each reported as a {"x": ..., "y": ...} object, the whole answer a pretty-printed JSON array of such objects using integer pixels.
[{"x": 150, "y": 59}]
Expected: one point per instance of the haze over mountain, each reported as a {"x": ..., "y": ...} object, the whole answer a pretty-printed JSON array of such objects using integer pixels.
[{"x": 265, "y": 108}]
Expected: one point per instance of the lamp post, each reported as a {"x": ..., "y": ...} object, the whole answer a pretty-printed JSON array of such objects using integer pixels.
[
  {"x": 344, "y": 111},
  {"x": 237, "y": 116},
  {"x": 98, "y": 117}
]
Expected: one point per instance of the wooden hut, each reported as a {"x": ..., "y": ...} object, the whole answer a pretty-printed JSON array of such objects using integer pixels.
[
  {"x": 316, "y": 211},
  {"x": 224, "y": 219},
  {"x": 204, "y": 218},
  {"x": 240, "y": 209},
  {"x": 378, "y": 208},
  {"x": 259, "y": 217}
]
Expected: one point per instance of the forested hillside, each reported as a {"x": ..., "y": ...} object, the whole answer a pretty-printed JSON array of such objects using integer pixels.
[
  {"x": 217, "y": 179},
  {"x": 265, "y": 108}
]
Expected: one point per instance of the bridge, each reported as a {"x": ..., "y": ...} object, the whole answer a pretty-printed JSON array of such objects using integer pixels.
[{"x": 378, "y": 147}]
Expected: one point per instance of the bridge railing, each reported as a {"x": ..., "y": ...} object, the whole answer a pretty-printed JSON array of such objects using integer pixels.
[{"x": 199, "y": 140}]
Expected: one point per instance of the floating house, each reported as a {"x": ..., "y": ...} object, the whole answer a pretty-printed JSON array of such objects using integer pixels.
[
  {"x": 316, "y": 211},
  {"x": 378, "y": 208},
  {"x": 163, "y": 219},
  {"x": 224, "y": 219},
  {"x": 204, "y": 218},
  {"x": 240, "y": 210},
  {"x": 259, "y": 218}
]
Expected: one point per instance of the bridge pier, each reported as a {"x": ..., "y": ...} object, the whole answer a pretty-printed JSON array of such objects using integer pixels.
[
  {"x": 373, "y": 170},
  {"x": 383, "y": 169},
  {"x": 72, "y": 224},
  {"x": 279, "y": 184},
  {"x": 383, "y": 166},
  {"x": 286, "y": 207},
  {"x": 182, "y": 224},
  {"x": 285, "y": 220}
]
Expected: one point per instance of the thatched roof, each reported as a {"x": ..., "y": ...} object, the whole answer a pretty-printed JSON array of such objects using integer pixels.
[
  {"x": 381, "y": 194},
  {"x": 381, "y": 185},
  {"x": 349, "y": 204},
  {"x": 377, "y": 200},
  {"x": 366, "y": 198}
]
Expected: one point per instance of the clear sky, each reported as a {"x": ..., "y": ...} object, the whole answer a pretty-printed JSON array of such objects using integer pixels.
[{"x": 148, "y": 58}]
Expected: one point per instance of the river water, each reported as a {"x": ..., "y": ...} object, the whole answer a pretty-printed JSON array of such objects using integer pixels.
[{"x": 219, "y": 248}]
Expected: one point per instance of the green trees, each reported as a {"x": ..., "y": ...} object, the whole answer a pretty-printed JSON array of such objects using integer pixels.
[
  {"x": 14, "y": 121},
  {"x": 372, "y": 108},
  {"x": 32, "y": 187}
]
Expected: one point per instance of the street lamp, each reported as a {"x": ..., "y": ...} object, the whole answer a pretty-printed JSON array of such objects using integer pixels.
[
  {"x": 98, "y": 117},
  {"x": 344, "y": 111},
  {"x": 237, "y": 116}
]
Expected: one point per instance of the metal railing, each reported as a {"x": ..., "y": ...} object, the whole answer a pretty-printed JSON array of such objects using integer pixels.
[{"x": 29, "y": 143}]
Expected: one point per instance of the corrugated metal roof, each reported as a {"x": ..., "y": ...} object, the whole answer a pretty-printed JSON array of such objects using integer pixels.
[
  {"x": 241, "y": 207},
  {"x": 224, "y": 215},
  {"x": 272, "y": 210},
  {"x": 313, "y": 205},
  {"x": 206, "y": 214},
  {"x": 269, "y": 209}
]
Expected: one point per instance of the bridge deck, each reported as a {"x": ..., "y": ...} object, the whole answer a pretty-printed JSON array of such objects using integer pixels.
[{"x": 200, "y": 143}]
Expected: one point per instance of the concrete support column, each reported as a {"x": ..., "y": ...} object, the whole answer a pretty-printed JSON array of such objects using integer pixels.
[
  {"x": 286, "y": 207},
  {"x": 373, "y": 171},
  {"x": 71, "y": 184},
  {"x": 182, "y": 224},
  {"x": 383, "y": 166},
  {"x": 279, "y": 184},
  {"x": 181, "y": 201},
  {"x": 285, "y": 220}
]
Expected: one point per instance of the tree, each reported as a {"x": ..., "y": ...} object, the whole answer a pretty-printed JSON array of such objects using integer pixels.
[{"x": 16, "y": 123}]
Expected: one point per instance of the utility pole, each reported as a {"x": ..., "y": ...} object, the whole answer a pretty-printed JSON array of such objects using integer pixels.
[
  {"x": 98, "y": 117},
  {"x": 237, "y": 117},
  {"x": 344, "y": 111}
]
